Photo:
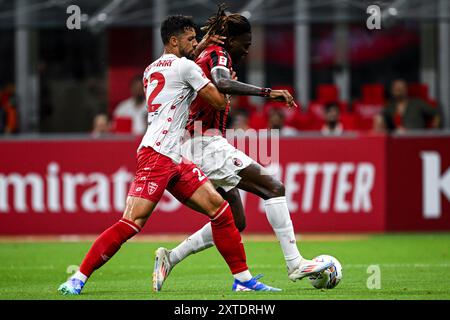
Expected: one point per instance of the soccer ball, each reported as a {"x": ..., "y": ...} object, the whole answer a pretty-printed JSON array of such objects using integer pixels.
[{"x": 330, "y": 277}]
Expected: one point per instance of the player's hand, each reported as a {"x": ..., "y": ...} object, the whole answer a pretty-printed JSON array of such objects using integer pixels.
[
  {"x": 215, "y": 39},
  {"x": 207, "y": 41},
  {"x": 233, "y": 75},
  {"x": 211, "y": 39},
  {"x": 283, "y": 96}
]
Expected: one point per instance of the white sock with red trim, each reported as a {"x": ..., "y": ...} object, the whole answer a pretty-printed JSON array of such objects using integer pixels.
[
  {"x": 78, "y": 275},
  {"x": 243, "y": 276},
  {"x": 279, "y": 218},
  {"x": 197, "y": 242}
]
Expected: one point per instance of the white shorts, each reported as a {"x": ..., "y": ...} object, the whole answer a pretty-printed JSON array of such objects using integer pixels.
[{"x": 219, "y": 160}]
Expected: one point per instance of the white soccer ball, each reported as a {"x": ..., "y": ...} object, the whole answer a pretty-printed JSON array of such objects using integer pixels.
[{"x": 330, "y": 277}]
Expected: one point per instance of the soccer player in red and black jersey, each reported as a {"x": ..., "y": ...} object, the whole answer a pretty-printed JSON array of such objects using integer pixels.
[
  {"x": 227, "y": 167},
  {"x": 216, "y": 62},
  {"x": 171, "y": 83},
  {"x": 213, "y": 58}
]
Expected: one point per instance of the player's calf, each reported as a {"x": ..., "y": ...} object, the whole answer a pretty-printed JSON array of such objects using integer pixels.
[
  {"x": 233, "y": 197},
  {"x": 104, "y": 247}
]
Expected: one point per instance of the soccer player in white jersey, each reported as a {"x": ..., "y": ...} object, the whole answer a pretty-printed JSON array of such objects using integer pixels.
[
  {"x": 227, "y": 167},
  {"x": 171, "y": 83}
]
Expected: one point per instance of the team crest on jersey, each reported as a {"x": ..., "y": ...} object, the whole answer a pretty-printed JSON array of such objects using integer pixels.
[
  {"x": 152, "y": 186},
  {"x": 237, "y": 162}
]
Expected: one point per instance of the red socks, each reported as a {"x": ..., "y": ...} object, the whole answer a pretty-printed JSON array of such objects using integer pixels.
[
  {"x": 228, "y": 239},
  {"x": 107, "y": 244},
  {"x": 225, "y": 235}
]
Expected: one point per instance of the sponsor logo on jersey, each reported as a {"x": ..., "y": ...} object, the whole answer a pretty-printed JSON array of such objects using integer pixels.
[
  {"x": 152, "y": 186},
  {"x": 223, "y": 61}
]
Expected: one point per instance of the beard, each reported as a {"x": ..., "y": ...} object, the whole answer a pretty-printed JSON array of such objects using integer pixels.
[{"x": 188, "y": 55}]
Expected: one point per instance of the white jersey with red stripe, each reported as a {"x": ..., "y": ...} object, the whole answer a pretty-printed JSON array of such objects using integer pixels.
[{"x": 170, "y": 84}]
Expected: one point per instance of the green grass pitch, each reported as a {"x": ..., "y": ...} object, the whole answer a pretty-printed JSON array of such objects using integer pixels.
[{"x": 413, "y": 266}]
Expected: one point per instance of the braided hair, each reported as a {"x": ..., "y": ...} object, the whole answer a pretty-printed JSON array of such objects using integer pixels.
[{"x": 226, "y": 25}]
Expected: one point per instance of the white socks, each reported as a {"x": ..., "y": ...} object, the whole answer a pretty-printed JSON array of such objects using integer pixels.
[
  {"x": 243, "y": 276},
  {"x": 199, "y": 241},
  {"x": 78, "y": 275},
  {"x": 279, "y": 218}
]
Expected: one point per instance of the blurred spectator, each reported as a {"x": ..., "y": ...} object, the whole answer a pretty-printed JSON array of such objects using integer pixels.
[
  {"x": 325, "y": 94},
  {"x": 277, "y": 121},
  {"x": 333, "y": 125},
  {"x": 240, "y": 119},
  {"x": 101, "y": 126},
  {"x": 134, "y": 107},
  {"x": 8, "y": 110},
  {"x": 243, "y": 103},
  {"x": 404, "y": 113}
]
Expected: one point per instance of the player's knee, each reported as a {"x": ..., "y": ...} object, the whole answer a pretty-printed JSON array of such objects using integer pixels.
[
  {"x": 277, "y": 190},
  {"x": 137, "y": 211},
  {"x": 138, "y": 219},
  {"x": 215, "y": 201}
]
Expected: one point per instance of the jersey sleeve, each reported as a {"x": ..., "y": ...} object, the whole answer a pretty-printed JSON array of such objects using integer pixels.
[
  {"x": 193, "y": 75},
  {"x": 219, "y": 58}
]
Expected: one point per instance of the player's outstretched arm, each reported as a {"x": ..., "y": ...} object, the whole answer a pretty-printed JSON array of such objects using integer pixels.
[
  {"x": 224, "y": 82},
  {"x": 213, "y": 97}
]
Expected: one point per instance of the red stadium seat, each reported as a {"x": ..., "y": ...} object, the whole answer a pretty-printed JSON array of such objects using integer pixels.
[
  {"x": 244, "y": 103},
  {"x": 299, "y": 120},
  {"x": 258, "y": 120},
  {"x": 122, "y": 125},
  {"x": 373, "y": 93},
  {"x": 294, "y": 117},
  {"x": 371, "y": 103},
  {"x": 325, "y": 93},
  {"x": 420, "y": 91},
  {"x": 349, "y": 121},
  {"x": 364, "y": 113},
  {"x": 316, "y": 113}
]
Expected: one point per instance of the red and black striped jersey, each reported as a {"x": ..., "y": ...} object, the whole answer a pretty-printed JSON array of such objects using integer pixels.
[{"x": 211, "y": 58}]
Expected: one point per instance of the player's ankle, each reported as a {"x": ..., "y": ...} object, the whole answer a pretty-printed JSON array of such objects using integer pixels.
[
  {"x": 173, "y": 258},
  {"x": 80, "y": 276},
  {"x": 293, "y": 262},
  {"x": 243, "y": 276}
]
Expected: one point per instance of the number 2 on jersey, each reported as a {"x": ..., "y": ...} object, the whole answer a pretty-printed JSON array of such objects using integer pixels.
[
  {"x": 200, "y": 174},
  {"x": 160, "y": 82}
]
